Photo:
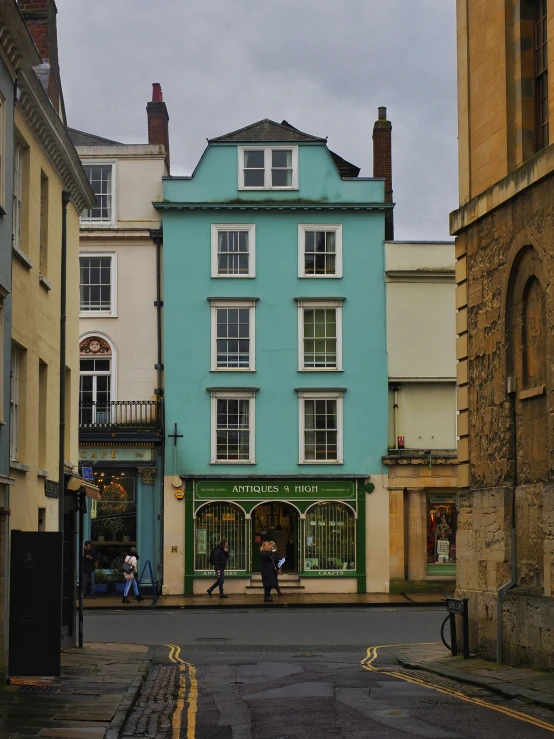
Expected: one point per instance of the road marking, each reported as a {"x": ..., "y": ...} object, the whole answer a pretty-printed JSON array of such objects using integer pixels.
[
  {"x": 372, "y": 654},
  {"x": 184, "y": 697}
]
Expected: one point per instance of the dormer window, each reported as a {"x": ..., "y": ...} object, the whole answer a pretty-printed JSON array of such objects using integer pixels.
[{"x": 268, "y": 168}]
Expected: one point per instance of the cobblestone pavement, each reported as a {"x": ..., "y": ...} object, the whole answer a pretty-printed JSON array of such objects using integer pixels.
[{"x": 151, "y": 715}]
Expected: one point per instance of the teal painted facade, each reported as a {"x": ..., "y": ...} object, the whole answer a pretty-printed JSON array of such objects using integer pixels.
[{"x": 211, "y": 196}]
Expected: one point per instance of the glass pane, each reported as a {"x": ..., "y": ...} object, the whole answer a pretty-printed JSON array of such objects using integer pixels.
[
  {"x": 330, "y": 538},
  {"x": 253, "y": 177},
  {"x": 281, "y": 177},
  {"x": 254, "y": 159},
  {"x": 281, "y": 158},
  {"x": 214, "y": 523},
  {"x": 442, "y": 524}
]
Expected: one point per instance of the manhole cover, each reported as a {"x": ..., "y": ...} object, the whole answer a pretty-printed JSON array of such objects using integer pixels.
[
  {"x": 75, "y": 670},
  {"x": 39, "y": 689},
  {"x": 212, "y": 638}
]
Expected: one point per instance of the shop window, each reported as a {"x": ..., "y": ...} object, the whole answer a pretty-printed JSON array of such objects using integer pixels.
[
  {"x": 442, "y": 520},
  {"x": 114, "y": 516},
  {"x": 330, "y": 538},
  {"x": 215, "y": 522}
]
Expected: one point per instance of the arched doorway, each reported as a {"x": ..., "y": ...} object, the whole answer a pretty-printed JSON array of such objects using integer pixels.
[{"x": 276, "y": 522}]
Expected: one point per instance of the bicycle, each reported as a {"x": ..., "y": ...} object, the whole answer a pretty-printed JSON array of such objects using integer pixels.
[{"x": 446, "y": 636}]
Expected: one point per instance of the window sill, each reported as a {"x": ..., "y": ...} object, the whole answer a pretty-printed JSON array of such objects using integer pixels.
[
  {"x": 42, "y": 473},
  {"x": 232, "y": 369},
  {"x": 320, "y": 277},
  {"x": 242, "y": 188},
  {"x": 45, "y": 283},
  {"x": 232, "y": 461},
  {"x": 233, "y": 277},
  {"x": 98, "y": 314},
  {"x": 23, "y": 258},
  {"x": 532, "y": 392},
  {"x": 319, "y": 369},
  {"x": 19, "y": 466},
  {"x": 99, "y": 224},
  {"x": 322, "y": 461}
]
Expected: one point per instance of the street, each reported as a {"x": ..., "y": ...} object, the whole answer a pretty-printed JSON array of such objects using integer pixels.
[{"x": 288, "y": 674}]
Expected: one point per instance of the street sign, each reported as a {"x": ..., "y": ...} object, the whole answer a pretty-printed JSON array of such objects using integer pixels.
[
  {"x": 87, "y": 473},
  {"x": 455, "y": 605}
]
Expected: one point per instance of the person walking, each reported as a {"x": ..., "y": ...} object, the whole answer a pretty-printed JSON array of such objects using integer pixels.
[
  {"x": 270, "y": 579},
  {"x": 89, "y": 567},
  {"x": 130, "y": 571},
  {"x": 218, "y": 558}
]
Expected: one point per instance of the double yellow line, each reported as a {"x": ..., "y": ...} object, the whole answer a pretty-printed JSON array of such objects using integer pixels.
[
  {"x": 373, "y": 652},
  {"x": 187, "y": 695}
]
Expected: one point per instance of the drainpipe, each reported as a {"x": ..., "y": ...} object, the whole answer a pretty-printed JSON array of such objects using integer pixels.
[
  {"x": 396, "y": 388},
  {"x": 66, "y": 197},
  {"x": 511, "y": 390},
  {"x": 157, "y": 236}
]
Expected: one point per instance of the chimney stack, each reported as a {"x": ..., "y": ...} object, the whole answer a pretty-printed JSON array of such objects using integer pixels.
[
  {"x": 158, "y": 120},
  {"x": 382, "y": 163},
  {"x": 40, "y": 17}
]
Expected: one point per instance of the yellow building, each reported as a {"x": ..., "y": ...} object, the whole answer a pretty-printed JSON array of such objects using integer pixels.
[{"x": 48, "y": 180}]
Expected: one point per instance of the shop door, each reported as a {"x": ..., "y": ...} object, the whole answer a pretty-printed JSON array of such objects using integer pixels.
[{"x": 276, "y": 522}]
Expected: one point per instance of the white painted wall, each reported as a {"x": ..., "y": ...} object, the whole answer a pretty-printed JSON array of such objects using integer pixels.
[{"x": 426, "y": 415}]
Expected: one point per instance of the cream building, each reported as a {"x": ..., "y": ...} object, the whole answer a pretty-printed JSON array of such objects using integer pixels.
[
  {"x": 421, "y": 345},
  {"x": 121, "y": 364}
]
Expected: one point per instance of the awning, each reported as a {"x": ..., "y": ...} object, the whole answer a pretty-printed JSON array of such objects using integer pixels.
[{"x": 76, "y": 483}]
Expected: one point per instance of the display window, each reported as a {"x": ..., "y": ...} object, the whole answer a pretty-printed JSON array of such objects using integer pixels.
[
  {"x": 113, "y": 516},
  {"x": 330, "y": 538},
  {"x": 442, "y": 520},
  {"x": 215, "y": 522}
]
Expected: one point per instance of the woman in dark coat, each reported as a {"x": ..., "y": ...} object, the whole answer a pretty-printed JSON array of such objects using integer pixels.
[{"x": 269, "y": 570}]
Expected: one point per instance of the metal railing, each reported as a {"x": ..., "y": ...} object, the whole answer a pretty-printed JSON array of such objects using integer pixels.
[{"x": 119, "y": 414}]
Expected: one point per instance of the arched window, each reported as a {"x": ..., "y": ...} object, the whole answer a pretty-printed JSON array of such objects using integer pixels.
[
  {"x": 217, "y": 521},
  {"x": 95, "y": 391},
  {"x": 330, "y": 537}
]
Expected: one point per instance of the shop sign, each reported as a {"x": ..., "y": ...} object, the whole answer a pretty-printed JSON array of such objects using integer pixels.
[
  {"x": 116, "y": 454},
  {"x": 275, "y": 490},
  {"x": 442, "y": 497},
  {"x": 52, "y": 489}
]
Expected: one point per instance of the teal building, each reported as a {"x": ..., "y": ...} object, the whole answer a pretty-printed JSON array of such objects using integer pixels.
[{"x": 275, "y": 365}]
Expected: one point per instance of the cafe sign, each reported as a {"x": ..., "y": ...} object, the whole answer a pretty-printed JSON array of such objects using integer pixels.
[
  {"x": 116, "y": 454},
  {"x": 275, "y": 490}
]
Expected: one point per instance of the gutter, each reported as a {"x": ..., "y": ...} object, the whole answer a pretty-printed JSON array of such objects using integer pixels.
[{"x": 501, "y": 594}]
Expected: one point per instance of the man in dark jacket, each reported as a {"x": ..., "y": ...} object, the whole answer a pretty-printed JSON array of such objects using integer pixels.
[
  {"x": 219, "y": 558},
  {"x": 89, "y": 566}
]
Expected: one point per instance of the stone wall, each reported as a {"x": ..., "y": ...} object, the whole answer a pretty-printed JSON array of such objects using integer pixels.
[{"x": 510, "y": 317}]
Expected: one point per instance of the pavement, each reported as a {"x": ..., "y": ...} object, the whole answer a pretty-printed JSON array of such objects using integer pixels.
[
  {"x": 92, "y": 698},
  {"x": 519, "y": 683},
  {"x": 299, "y": 600}
]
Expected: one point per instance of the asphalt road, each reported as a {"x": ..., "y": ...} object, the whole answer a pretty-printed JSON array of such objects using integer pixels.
[
  {"x": 358, "y": 626},
  {"x": 297, "y": 674}
]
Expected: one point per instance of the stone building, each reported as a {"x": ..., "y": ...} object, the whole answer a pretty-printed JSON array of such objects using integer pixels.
[{"x": 504, "y": 232}]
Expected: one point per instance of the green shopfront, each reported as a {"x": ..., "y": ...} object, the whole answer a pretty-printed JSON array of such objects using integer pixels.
[{"x": 318, "y": 525}]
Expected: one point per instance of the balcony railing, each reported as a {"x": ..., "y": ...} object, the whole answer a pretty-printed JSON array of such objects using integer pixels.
[{"x": 131, "y": 414}]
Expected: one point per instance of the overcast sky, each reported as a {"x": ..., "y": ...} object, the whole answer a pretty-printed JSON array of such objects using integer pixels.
[{"x": 323, "y": 65}]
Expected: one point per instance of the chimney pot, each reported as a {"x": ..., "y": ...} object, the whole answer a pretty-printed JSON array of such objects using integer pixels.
[
  {"x": 157, "y": 96},
  {"x": 382, "y": 113}
]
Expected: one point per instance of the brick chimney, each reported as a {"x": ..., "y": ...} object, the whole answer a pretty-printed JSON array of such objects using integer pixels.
[
  {"x": 40, "y": 17},
  {"x": 382, "y": 163},
  {"x": 158, "y": 120}
]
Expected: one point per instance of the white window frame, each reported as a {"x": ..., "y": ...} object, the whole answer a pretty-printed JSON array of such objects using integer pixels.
[
  {"x": 250, "y": 228},
  {"x": 304, "y": 395},
  {"x": 319, "y": 303},
  {"x": 223, "y": 394},
  {"x": 17, "y": 198},
  {"x": 234, "y": 303},
  {"x": 112, "y": 223},
  {"x": 337, "y": 229},
  {"x": 267, "y": 167},
  {"x": 112, "y": 313},
  {"x": 15, "y": 368}
]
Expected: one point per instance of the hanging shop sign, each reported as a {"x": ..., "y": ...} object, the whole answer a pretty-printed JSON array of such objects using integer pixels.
[
  {"x": 117, "y": 454},
  {"x": 274, "y": 490}
]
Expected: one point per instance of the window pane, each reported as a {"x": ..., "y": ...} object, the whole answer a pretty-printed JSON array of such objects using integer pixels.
[
  {"x": 442, "y": 527},
  {"x": 330, "y": 538},
  {"x": 320, "y": 430},
  {"x": 254, "y": 159},
  {"x": 95, "y": 285},
  {"x": 281, "y": 158},
  {"x": 319, "y": 252},
  {"x": 214, "y": 523},
  {"x": 100, "y": 178},
  {"x": 253, "y": 177},
  {"x": 281, "y": 177},
  {"x": 232, "y": 323},
  {"x": 320, "y": 332},
  {"x": 233, "y": 429}
]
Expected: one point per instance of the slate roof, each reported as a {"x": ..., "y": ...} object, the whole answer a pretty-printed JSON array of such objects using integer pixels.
[
  {"x": 80, "y": 138},
  {"x": 265, "y": 130},
  {"x": 346, "y": 169}
]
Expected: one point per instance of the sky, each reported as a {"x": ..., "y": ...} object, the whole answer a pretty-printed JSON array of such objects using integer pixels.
[{"x": 323, "y": 65}]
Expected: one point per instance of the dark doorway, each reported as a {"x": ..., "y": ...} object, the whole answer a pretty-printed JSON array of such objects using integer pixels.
[
  {"x": 35, "y": 602},
  {"x": 276, "y": 522}
]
